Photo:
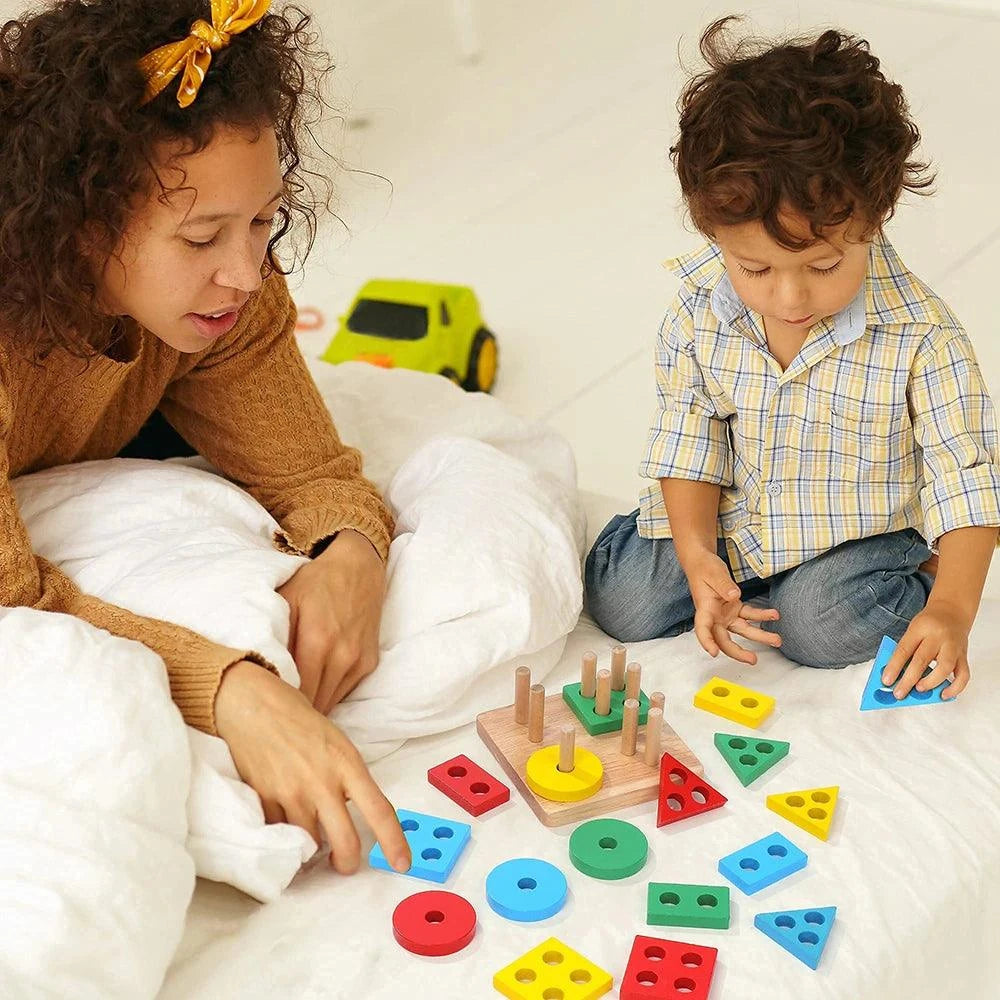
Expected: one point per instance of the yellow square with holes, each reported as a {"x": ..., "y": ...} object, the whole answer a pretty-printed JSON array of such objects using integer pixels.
[
  {"x": 734, "y": 702},
  {"x": 552, "y": 970}
]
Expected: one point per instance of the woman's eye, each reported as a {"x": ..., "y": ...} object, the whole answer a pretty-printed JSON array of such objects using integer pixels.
[{"x": 206, "y": 243}]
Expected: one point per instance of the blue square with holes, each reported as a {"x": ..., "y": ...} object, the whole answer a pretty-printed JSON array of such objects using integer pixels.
[
  {"x": 762, "y": 863},
  {"x": 436, "y": 845}
]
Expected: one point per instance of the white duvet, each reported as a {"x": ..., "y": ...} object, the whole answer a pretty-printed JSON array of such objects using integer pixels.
[{"x": 110, "y": 804}]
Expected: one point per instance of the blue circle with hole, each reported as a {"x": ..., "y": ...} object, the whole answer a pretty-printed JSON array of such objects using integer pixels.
[{"x": 526, "y": 889}]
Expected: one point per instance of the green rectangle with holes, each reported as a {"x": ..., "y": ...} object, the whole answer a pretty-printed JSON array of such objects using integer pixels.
[
  {"x": 677, "y": 904},
  {"x": 583, "y": 709}
]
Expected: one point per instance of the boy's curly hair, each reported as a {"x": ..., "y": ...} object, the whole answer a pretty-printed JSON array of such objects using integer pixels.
[
  {"x": 76, "y": 148},
  {"x": 808, "y": 125}
]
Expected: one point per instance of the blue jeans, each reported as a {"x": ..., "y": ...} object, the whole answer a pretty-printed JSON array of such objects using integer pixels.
[{"x": 834, "y": 609}]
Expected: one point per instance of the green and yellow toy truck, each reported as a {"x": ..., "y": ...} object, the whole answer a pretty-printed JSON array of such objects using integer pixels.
[{"x": 418, "y": 325}]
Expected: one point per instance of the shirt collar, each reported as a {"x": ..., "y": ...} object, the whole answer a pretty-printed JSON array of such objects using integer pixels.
[{"x": 890, "y": 293}]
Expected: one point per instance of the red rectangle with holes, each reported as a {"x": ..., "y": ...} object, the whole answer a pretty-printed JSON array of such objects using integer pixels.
[
  {"x": 466, "y": 783},
  {"x": 660, "y": 969}
]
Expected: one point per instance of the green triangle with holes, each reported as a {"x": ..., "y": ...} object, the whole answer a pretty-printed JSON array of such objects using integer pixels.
[{"x": 750, "y": 756}]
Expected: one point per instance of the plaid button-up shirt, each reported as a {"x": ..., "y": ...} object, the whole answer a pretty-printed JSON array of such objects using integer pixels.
[{"x": 881, "y": 422}]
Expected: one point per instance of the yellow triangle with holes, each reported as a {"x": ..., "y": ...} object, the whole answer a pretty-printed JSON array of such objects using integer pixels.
[{"x": 811, "y": 809}]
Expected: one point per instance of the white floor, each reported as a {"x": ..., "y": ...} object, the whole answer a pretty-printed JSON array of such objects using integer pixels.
[{"x": 537, "y": 174}]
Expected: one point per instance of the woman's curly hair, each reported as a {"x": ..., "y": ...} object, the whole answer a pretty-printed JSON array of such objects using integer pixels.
[
  {"x": 76, "y": 148},
  {"x": 807, "y": 125}
]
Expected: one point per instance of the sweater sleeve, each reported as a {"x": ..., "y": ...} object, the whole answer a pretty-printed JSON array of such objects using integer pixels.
[
  {"x": 250, "y": 406},
  {"x": 195, "y": 665}
]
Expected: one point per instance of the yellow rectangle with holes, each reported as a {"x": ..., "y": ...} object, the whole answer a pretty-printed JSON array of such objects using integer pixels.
[
  {"x": 553, "y": 969},
  {"x": 734, "y": 702}
]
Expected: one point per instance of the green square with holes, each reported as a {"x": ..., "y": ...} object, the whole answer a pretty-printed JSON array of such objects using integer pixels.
[
  {"x": 678, "y": 904},
  {"x": 583, "y": 709}
]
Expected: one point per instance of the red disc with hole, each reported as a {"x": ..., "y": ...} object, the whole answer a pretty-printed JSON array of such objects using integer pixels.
[{"x": 434, "y": 923}]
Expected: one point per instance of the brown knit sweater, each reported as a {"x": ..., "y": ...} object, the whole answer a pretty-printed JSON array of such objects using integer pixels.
[{"x": 247, "y": 403}]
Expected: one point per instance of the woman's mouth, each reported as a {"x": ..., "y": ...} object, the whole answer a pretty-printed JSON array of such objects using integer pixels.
[{"x": 214, "y": 325}]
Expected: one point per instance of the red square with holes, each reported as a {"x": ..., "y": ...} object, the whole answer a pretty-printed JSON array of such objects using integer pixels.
[
  {"x": 659, "y": 969},
  {"x": 466, "y": 783}
]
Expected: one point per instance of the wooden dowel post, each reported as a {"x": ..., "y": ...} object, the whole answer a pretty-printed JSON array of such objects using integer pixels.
[
  {"x": 588, "y": 674},
  {"x": 630, "y": 726},
  {"x": 536, "y": 713},
  {"x": 633, "y": 676},
  {"x": 522, "y": 685},
  {"x": 567, "y": 749},
  {"x": 618, "y": 655},
  {"x": 657, "y": 700},
  {"x": 602, "y": 705},
  {"x": 654, "y": 730}
]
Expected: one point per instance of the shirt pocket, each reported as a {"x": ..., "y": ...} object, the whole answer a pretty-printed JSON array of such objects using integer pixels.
[{"x": 870, "y": 437}]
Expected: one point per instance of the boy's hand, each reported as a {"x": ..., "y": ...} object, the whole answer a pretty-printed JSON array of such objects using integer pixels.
[
  {"x": 940, "y": 632},
  {"x": 718, "y": 609}
]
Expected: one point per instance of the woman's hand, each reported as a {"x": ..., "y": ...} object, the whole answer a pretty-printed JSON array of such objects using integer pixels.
[
  {"x": 718, "y": 609},
  {"x": 336, "y": 608},
  {"x": 304, "y": 768}
]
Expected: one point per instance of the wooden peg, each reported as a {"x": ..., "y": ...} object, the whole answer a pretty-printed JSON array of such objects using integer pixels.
[
  {"x": 654, "y": 729},
  {"x": 567, "y": 748},
  {"x": 588, "y": 674},
  {"x": 657, "y": 700},
  {"x": 536, "y": 713},
  {"x": 602, "y": 705},
  {"x": 522, "y": 685},
  {"x": 630, "y": 726},
  {"x": 633, "y": 674},
  {"x": 618, "y": 655}
]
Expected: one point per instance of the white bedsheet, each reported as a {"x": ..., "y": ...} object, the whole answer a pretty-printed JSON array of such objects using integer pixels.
[{"x": 913, "y": 861}]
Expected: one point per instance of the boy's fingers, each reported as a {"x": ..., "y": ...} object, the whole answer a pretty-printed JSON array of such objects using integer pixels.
[
  {"x": 730, "y": 648},
  {"x": 918, "y": 664},
  {"x": 703, "y": 633},
  {"x": 755, "y": 634},
  {"x": 903, "y": 651},
  {"x": 752, "y": 614},
  {"x": 958, "y": 685}
]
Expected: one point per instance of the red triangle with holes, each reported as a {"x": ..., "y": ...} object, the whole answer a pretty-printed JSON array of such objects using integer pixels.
[{"x": 683, "y": 793}]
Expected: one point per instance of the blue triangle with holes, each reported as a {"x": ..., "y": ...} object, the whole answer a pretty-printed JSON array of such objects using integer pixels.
[
  {"x": 803, "y": 933},
  {"x": 878, "y": 696}
]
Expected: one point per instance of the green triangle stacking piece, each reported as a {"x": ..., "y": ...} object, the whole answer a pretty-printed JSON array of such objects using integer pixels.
[{"x": 749, "y": 756}]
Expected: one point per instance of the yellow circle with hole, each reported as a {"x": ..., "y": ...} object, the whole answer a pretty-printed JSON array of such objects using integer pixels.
[{"x": 544, "y": 778}]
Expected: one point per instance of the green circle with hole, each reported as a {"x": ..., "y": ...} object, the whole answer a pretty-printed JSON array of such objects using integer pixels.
[{"x": 608, "y": 848}]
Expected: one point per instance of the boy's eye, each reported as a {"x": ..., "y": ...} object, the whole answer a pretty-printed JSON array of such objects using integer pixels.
[
  {"x": 827, "y": 270},
  {"x": 752, "y": 274}
]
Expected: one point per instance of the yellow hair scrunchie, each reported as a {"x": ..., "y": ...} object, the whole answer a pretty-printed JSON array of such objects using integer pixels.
[{"x": 193, "y": 55}]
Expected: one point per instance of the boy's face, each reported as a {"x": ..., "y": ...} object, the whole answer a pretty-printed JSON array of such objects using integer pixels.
[
  {"x": 201, "y": 251},
  {"x": 793, "y": 290}
]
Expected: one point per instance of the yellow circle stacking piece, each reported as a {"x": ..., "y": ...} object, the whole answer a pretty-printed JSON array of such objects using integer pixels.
[{"x": 545, "y": 779}]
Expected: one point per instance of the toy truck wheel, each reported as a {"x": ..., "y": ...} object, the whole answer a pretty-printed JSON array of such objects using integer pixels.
[
  {"x": 483, "y": 357},
  {"x": 451, "y": 375}
]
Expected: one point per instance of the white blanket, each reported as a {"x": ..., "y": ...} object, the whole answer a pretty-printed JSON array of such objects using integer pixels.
[{"x": 99, "y": 855}]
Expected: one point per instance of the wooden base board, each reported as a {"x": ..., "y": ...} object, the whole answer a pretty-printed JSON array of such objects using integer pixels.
[{"x": 627, "y": 780}]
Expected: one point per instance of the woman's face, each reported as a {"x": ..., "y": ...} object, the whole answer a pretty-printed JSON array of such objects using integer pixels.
[{"x": 188, "y": 263}]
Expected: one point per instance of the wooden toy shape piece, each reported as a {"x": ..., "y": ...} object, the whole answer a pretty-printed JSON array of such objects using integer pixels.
[
  {"x": 811, "y": 809},
  {"x": 683, "y": 793},
  {"x": 734, "y": 702},
  {"x": 436, "y": 845},
  {"x": 553, "y": 969},
  {"x": 802, "y": 933},
  {"x": 467, "y": 784},
  {"x": 434, "y": 923},
  {"x": 762, "y": 863},
  {"x": 680, "y": 904},
  {"x": 660, "y": 969},
  {"x": 750, "y": 757}
]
